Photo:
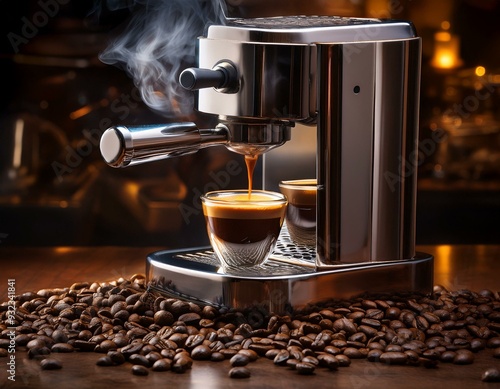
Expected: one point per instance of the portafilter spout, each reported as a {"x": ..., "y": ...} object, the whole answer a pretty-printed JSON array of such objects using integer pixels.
[{"x": 123, "y": 146}]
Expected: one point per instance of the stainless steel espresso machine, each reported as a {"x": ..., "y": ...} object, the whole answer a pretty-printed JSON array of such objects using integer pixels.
[{"x": 357, "y": 81}]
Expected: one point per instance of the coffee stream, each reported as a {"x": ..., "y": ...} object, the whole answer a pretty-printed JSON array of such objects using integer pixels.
[{"x": 250, "y": 161}]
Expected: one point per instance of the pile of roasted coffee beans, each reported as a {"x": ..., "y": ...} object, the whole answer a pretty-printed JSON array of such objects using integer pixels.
[{"x": 126, "y": 323}]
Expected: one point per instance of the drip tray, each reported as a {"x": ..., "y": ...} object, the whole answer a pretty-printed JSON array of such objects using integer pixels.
[{"x": 287, "y": 282}]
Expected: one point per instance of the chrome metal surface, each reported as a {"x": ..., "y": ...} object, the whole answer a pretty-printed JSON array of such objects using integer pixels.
[
  {"x": 255, "y": 138},
  {"x": 312, "y": 29},
  {"x": 125, "y": 146},
  {"x": 276, "y": 60},
  {"x": 276, "y": 80},
  {"x": 281, "y": 286},
  {"x": 367, "y": 142}
]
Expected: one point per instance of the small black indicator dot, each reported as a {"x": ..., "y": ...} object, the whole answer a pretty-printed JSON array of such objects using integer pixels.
[{"x": 356, "y": 89}]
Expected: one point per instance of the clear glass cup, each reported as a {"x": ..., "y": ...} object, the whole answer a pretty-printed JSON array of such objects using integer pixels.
[
  {"x": 243, "y": 229},
  {"x": 301, "y": 210}
]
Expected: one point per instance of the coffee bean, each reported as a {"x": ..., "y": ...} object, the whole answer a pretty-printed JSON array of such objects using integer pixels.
[
  {"x": 217, "y": 357},
  {"x": 116, "y": 357},
  {"x": 239, "y": 372},
  {"x": 310, "y": 359},
  {"x": 37, "y": 352},
  {"x": 179, "y": 307},
  {"x": 448, "y": 356},
  {"x": 183, "y": 360},
  {"x": 34, "y": 343},
  {"x": 59, "y": 336},
  {"x": 343, "y": 360},
  {"x": 124, "y": 317},
  {"x": 491, "y": 375},
  {"x": 62, "y": 348},
  {"x": 281, "y": 357},
  {"x": 305, "y": 368},
  {"x": 394, "y": 358},
  {"x": 190, "y": 318},
  {"x": 138, "y": 359},
  {"x": 431, "y": 354},
  {"x": 431, "y": 317},
  {"x": 392, "y": 313},
  {"x": 139, "y": 370},
  {"x": 83, "y": 345},
  {"x": 50, "y": 364},
  {"x": 413, "y": 357},
  {"x": 353, "y": 353},
  {"x": 105, "y": 361},
  {"x": 163, "y": 364},
  {"x": 493, "y": 342},
  {"x": 463, "y": 357},
  {"x": 271, "y": 354},
  {"x": 356, "y": 316},
  {"x": 107, "y": 345},
  {"x": 201, "y": 352},
  {"x": 252, "y": 355},
  {"x": 239, "y": 360},
  {"x": 374, "y": 355},
  {"x": 260, "y": 349},
  {"x": 194, "y": 340},
  {"x": 344, "y": 324},
  {"x": 328, "y": 361}
]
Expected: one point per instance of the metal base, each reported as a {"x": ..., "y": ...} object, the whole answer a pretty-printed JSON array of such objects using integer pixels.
[{"x": 287, "y": 282}]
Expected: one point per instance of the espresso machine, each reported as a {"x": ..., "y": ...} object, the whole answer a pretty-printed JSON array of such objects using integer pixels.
[{"x": 357, "y": 81}]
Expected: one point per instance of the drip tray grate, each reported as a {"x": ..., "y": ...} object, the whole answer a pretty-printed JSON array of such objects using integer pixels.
[{"x": 287, "y": 258}]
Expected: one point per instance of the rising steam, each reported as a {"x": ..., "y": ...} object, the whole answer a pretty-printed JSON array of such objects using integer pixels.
[{"x": 158, "y": 43}]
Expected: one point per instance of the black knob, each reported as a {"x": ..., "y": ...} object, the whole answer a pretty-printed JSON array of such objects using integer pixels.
[
  {"x": 223, "y": 76},
  {"x": 194, "y": 78}
]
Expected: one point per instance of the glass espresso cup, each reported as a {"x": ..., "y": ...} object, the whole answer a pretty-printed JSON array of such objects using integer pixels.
[
  {"x": 243, "y": 229},
  {"x": 301, "y": 210}
]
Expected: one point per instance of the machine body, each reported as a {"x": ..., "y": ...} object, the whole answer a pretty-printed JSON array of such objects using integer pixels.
[{"x": 357, "y": 81}]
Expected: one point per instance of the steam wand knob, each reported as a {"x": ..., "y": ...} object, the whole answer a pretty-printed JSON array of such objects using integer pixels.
[{"x": 223, "y": 77}]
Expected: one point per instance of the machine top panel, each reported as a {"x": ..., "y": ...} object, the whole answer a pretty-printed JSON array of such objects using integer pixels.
[{"x": 312, "y": 29}]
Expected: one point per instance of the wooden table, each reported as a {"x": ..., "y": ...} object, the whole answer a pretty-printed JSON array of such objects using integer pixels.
[{"x": 456, "y": 267}]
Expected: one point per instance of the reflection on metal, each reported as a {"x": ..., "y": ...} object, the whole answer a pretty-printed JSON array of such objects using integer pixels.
[{"x": 287, "y": 282}]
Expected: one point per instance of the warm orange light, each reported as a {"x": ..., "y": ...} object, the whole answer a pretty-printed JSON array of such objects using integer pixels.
[
  {"x": 446, "y": 50},
  {"x": 80, "y": 112},
  {"x": 442, "y": 36},
  {"x": 444, "y": 263},
  {"x": 63, "y": 249},
  {"x": 480, "y": 71},
  {"x": 444, "y": 60},
  {"x": 445, "y": 25}
]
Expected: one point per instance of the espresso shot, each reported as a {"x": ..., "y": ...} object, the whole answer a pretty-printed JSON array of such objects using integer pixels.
[
  {"x": 243, "y": 229},
  {"x": 301, "y": 210}
]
